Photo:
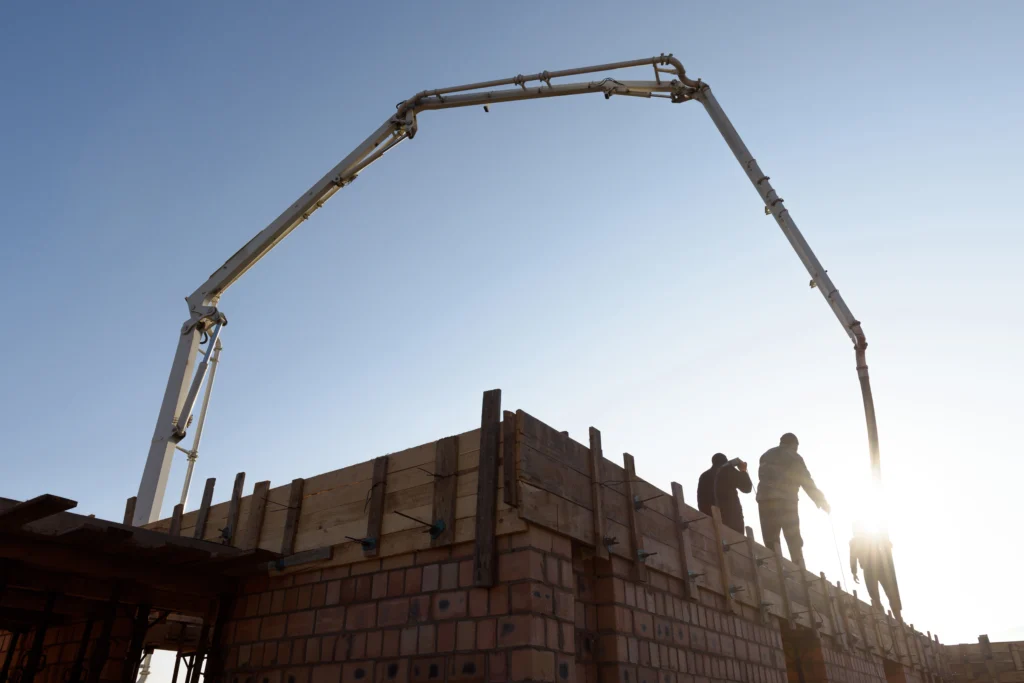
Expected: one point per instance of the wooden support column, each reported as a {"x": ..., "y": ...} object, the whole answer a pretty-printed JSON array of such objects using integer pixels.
[
  {"x": 202, "y": 645},
  {"x": 28, "y": 674},
  {"x": 101, "y": 650},
  {"x": 129, "y": 511},
  {"x": 204, "y": 509},
  {"x": 806, "y": 585},
  {"x": 755, "y": 568},
  {"x": 632, "y": 500},
  {"x": 1018, "y": 664},
  {"x": 897, "y": 648},
  {"x": 291, "y": 518},
  {"x": 838, "y": 621},
  {"x": 685, "y": 551},
  {"x": 787, "y": 608},
  {"x": 375, "y": 519},
  {"x": 446, "y": 480},
  {"x": 728, "y": 590},
  {"x": 510, "y": 457},
  {"x": 215, "y": 659},
  {"x": 12, "y": 645},
  {"x": 132, "y": 660},
  {"x": 485, "y": 548},
  {"x": 257, "y": 510},
  {"x": 596, "y": 494},
  {"x": 230, "y": 532},
  {"x": 83, "y": 646},
  {"x": 175, "y": 529}
]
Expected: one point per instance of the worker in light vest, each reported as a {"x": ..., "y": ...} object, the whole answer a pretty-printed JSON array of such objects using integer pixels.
[
  {"x": 874, "y": 553},
  {"x": 781, "y": 475},
  {"x": 719, "y": 486}
]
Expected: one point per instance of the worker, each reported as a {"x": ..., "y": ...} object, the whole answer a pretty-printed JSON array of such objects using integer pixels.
[
  {"x": 874, "y": 553},
  {"x": 719, "y": 486},
  {"x": 781, "y": 475}
]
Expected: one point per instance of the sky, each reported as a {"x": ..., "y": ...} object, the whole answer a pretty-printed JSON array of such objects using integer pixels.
[{"x": 604, "y": 263}]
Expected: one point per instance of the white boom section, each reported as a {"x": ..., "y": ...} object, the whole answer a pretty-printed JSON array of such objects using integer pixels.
[{"x": 179, "y": 398}]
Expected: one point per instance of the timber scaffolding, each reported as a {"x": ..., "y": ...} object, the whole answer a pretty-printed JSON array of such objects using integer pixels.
[{"x": 507, "y": 553}]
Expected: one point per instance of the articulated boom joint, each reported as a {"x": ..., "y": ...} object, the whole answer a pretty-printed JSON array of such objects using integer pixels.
[{"x": 203, "y": 318}]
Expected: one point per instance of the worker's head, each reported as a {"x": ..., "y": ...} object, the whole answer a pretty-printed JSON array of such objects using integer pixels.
[
  {"x": 789, "y": 440},
  {"x": 719, "y": 459}
]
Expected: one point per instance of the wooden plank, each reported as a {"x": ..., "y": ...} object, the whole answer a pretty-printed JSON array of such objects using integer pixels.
[
  {"x": 204, "y": 509},
  {"x": 297, "y": 559},
  {"x": 35, "y": 509},
  {"x": 510, "y": 456},
  {"x": 755, "y": 568},
  {"x": 1018, "y": 665},
  {"x": 685, "y": 552},
  {"x": 724, "y": 570},
  {"x": 257, "y": 510},
  {"x": 596, "y": 454},
  {"x": 292, "y": 514},
  {"x": 129, "y": 511},
  {"x": 838, "y": 619},
  {"x": 175, "y": 529},
  {"x": 234, "y": 508},
  {"x": 446, "y": 465},
  {"x": 485, "y": 549},
  {"x": 636, "y": 538},
  {"x": 375, "y": 518},
  {"x": 805, "y": 583}
]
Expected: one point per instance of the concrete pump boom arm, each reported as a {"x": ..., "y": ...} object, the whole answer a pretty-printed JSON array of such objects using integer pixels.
[{"x": 206, "y": 320}]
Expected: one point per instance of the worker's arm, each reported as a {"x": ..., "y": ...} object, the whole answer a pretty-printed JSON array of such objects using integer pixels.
[
  {"x": 807, "y": 482},
  {"x": 741, "y": 479}
]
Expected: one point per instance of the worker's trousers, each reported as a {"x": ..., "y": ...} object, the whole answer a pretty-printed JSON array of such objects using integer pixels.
[{"x": 781, "y": 516}]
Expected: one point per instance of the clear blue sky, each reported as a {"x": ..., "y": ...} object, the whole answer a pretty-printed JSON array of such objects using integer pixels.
[{"x": 603, "y": 263}]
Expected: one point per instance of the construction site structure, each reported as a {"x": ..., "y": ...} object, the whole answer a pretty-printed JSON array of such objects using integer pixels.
[
  {"x": 508, "y": 553},
  {"x": 206, "y": 320}
]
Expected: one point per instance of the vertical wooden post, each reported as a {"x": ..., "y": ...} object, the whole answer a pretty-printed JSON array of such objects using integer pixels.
[
  {"x": 291, "y": 517},
  {"x": 101, "y": 650},
  {"x": 175, "y": 529},
  {"x": 597, "y": 494},
  {"x": 1018, "y": 665},
  {"x": 129, "y": 511},
  {"x": 859, "y": 618},
  {"x": 685, "y": 551},
  {"x": 130, "y": 666},
  {"x": 636, "y": 539},
  {"x": 230, "y": 533},
  {"x": 839, "y": 627},
  {"x": 787, "y": 608},
  {"x": 755, "y": 567},
  {"x": 986, "y": 652},
  {"x": 202, "y": 645},
  {"x": 723, "y": 561},
  {"x": 375, "y": 518},
  {"x": 35, "y": 655},
  {"x": 83, "y": 647},
  {"x": 257, "y": 510},
  {"x": 215, "y": 659},
  {"x": 446, "y": 468},
  {"x": 485, "y": 552},
  {"x": 204, "y": 510},
  {"x": 510, "y": 457}
]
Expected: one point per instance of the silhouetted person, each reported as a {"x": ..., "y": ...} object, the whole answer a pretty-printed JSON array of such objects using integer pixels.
[
  {"x": 781, "y": 475},
  {"x": 874, "y": 552},
  {"x": 719, "y": 486}
]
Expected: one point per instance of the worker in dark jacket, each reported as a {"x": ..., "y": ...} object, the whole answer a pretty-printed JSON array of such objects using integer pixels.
[
  {"x": 874, "y": 553},
  {"x": 781, "y": 475},
  {"x": 719, "y": 486}
]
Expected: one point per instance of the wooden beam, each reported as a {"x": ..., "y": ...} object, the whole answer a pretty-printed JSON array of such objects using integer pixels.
[
  {"x": 12, "y": 645},
  {"x": 175, "y": 529},
  {"x": 596, "y": 454},
  {"x": 32, "y": 510},
  {"x": 133, "y": 658},
  {"x": 446, "y": 479},
  {"x": 35, "y": 655},
  {"x": 234, "y": 509},
  {"x": 305, "y": 557},
  {"x": 806, "y": 585},
  {"x": 485, "y": 549},
  {"x": 723, "y": 561},
  {"x": 291, "y": 518},
  {"x": 204, "y": 509},
  {"x": 375, "y": 519},
  {"x": 755, "y": 568},
  {"x": 101, "y": 650},
  {"x": 858, "y": 615},
  {"x": 129, "y": 510},
  {"x": 510, "y": 457},
  {"x": 218, "y": 647},
  {"x": 685, "y": 551},
  {"x": 787, "y": 608},
  {"x": 632, "y": 500},
  {"x": 257, "y": 510}
]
